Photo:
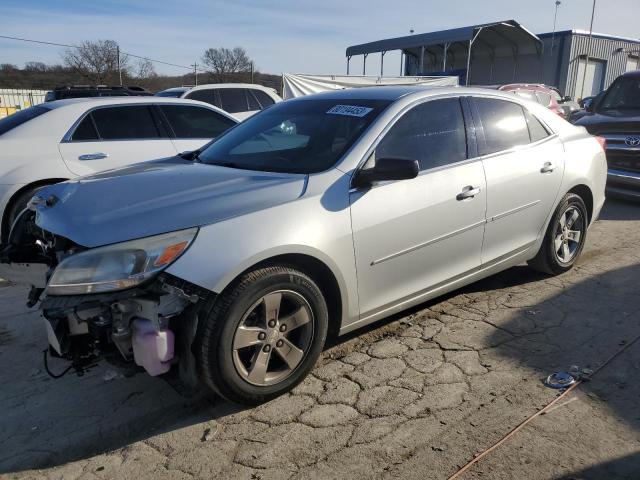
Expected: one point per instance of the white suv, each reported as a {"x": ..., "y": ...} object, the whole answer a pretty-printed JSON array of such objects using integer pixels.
[
  {"x": 60, "y": 140},
  {"x": 240, "y": 99}
]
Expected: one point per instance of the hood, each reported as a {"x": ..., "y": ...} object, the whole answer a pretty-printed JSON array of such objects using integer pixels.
[
  {"x": 158, "y": 197},
  {"x": 611, "y": 121}
]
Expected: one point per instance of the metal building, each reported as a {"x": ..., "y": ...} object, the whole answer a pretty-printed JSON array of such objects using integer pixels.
[
  {"x": 506, "y": 52},
  {"x": 565, "y": 58}
]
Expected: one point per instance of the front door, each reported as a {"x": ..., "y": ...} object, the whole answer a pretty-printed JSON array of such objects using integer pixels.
[
  {"x": 115, "y": 136},
  {"x": 411, "y": 235}
]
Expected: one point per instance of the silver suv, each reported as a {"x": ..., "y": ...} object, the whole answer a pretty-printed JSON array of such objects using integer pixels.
[{"x": 316, "y": 216}]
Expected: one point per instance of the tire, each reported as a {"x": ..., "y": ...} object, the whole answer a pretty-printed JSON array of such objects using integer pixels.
[
  {"x": 18, "y": 204},
  {"x": 560, "y": 250},
  {"x": 234, "y": 335}
]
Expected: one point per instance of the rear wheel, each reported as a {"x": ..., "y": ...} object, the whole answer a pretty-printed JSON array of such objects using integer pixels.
[
  {"x": 263, "y": 335},
  {"x": 565, "y": 237}
]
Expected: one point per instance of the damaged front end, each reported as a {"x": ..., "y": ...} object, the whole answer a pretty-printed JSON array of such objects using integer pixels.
[{"x": 112, "y": 301}]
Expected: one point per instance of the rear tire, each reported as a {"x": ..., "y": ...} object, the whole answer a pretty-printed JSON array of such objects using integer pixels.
[
  {"x": 565, "y": 237},
  {"x": 262, "y": 335}
]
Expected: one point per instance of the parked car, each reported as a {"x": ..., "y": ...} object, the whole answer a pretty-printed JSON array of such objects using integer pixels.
[
  {"x": 240, "y": 99},
  {"x": 538, "y": 93},
  {"x": 59, "y": 140},
  {"x": 319, "y": 215},
  {"x": 86, "y": 91},
  {"x": 615, "y": 115}
]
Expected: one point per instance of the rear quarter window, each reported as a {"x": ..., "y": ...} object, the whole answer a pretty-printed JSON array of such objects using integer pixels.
[{"x": 19, "y": 118}]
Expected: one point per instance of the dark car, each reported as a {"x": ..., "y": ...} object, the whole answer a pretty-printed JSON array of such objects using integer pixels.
[
  {"x": 84, "y": 91},
  {"x": 616, "y": 117}
]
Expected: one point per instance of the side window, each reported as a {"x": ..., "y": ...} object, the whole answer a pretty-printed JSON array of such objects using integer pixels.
[
  {"x": 503, "y": 124},
  {"x": 125, "y": 123},
  {"x": 264, "y": 99},
  {"x": 253, "y": 101},
  {"x": 233, "y": 100},
  {"x": 195, "y": 122},
  {"x": 207, "y": 96},
  {"x": 433, "y": 133},
  {"x": 85, "y": 130},
  {"x": 537, "y": 131}
]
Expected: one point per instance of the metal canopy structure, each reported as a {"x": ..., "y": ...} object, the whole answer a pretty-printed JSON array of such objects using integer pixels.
[{"x": 427, "y": 53}]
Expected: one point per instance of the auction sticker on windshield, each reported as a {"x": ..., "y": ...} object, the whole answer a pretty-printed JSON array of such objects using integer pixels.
[{"x": 349, "y": 110}]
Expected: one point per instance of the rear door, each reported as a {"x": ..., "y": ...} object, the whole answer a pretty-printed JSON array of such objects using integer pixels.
[
  {"x": 524, "y": 164},
  {"x": 115, "y": 136},
  {"x": 411, "y": 235},
  {"x": 192, "y": 126}
]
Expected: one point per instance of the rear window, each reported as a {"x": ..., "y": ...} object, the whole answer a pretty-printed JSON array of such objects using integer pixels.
[
  {"x": 195, "y": 122},
  {"x": 503, "y": 124},
  {"x": 264, "y": 99},
  {"x": 125, "y": 123},
  {"x": 18, "y": 118},
  {"x": 233, "y": 100}
]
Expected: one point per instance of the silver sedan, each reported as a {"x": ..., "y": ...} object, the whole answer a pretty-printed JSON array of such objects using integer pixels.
[{"x": 317, "y": 216}]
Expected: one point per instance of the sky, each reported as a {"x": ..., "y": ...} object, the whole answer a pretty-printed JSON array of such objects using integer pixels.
[{"x": 293, "y": 36}]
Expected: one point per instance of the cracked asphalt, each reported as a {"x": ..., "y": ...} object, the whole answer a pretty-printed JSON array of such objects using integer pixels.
[{"x": 415, "y": 396}]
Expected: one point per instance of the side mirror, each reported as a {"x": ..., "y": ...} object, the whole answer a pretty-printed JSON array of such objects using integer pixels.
[
  {"x": 386, "y": 169},
  {"x": 588, "y": 105}
]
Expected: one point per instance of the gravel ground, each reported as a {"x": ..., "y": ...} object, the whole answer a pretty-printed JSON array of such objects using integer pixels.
[{"x": 415, "y": 396}]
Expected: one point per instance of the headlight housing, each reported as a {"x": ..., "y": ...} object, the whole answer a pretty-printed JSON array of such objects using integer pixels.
[{"x": 118, "y": 266}]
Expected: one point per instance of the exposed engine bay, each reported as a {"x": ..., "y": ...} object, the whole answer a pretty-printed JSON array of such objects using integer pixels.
[{"x": 151, "y": 325}]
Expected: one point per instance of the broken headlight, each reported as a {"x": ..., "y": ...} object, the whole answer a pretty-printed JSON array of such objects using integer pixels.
[{"x": 118, "y": 266}]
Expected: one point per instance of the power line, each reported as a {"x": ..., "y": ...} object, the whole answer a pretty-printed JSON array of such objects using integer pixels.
[{"x": 123, "y": 53}]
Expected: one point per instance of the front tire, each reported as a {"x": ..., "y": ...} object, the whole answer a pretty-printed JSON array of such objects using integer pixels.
[
  {"x": 262, "y": 335},
  {"x": 565, "y": 237}
]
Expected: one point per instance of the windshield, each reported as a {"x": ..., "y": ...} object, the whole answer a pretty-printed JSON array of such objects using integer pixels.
[
  {"x": 624, "y": 94},
  {"x": 301, "y": 136},
  {"x": 18, "y": 118}
]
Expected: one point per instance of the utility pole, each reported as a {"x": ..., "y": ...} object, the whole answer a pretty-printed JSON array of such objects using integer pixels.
[
  {"x": 555, "y": 17},
  {"x": 195, "y": 72},
  {"x": 119, "y": 69},
  {"x": 252, "y": 71},
  {"x": 586, "y": 64}
]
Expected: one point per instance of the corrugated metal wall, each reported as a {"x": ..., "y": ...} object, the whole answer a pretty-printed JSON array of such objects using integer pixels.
[{"x": 604, "y": 49}]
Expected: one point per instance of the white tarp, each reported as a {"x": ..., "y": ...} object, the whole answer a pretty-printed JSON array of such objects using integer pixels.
[{"x": 298, "y": 85}]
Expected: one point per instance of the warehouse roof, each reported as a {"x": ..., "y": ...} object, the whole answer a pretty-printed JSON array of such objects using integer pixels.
[{"x": 494, "y": 33}]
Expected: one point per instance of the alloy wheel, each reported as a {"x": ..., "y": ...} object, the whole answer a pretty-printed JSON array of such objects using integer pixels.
[
  {"x": 568, "y": 234},
  {"x": 273, "y": 338}
]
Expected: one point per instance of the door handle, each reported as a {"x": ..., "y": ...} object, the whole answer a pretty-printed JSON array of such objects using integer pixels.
[
  {"x": 468, "y": 192},
  {"x": 548, "y": 167},
  {"x": 93, "y": 156}
]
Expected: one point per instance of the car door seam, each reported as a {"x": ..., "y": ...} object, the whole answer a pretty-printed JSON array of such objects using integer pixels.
[{"x": 498, "y": 216}]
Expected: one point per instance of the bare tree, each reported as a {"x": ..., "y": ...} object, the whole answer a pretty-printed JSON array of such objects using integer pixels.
[
  {"x": 145, "y": 69},
  {"x": 35, "y": 67},
  {"x": 223, "y": 61},
  {"x": 97, "y": 61}
]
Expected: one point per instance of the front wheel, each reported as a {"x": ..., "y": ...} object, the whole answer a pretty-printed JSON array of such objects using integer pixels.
[
  {"x": 565, "y": 237},
  {"x": 262, "y": 335}
]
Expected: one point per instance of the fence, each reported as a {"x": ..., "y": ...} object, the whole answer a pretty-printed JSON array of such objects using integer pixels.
[{"x": 13, "y": 99}]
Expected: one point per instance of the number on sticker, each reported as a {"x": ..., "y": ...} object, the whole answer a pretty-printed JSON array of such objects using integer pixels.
[{"x": 349, "y": 110}]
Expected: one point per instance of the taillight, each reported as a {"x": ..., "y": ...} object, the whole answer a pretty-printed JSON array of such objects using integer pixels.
[{"x": 603, "y": 142}]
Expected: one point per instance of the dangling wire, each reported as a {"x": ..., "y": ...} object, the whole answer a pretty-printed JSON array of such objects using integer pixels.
[{"x": 46, "y": 366}]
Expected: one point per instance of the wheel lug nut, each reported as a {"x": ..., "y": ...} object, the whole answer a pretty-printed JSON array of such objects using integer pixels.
[
  {"x": 283, "y": 328},
  {"x": 262, "y": 336},
  {"x": 267, "y": 348},
  {"x": 279, "y": 343},
  {"x": 272, "y": 323}
]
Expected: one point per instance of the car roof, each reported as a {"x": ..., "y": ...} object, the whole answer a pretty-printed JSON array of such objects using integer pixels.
[
  {"x": 253, "y": 86},
  {"x": 98, "y": 101}
]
